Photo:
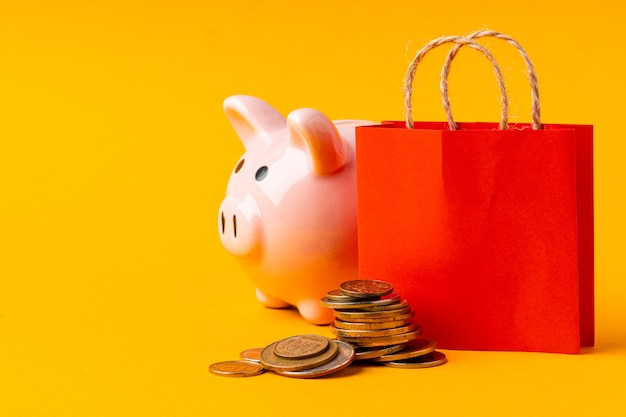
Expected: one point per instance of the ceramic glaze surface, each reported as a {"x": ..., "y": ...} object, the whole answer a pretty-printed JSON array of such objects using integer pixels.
[{"x": 289, "y": 215}]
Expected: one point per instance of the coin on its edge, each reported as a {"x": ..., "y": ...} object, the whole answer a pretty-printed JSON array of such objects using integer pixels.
[
  {"x": 236, "y": 368},
  {"x": 341, "y": 361},
  {"x": 365, "y": 288},
  {"x": 429, "y": 360}
]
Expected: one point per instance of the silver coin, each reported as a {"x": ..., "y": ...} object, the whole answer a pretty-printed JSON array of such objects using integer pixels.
[
  {"x": 336, "y": 295},
  {"x": 386, "y": 300},
  {"x": 429, "y": 360}
]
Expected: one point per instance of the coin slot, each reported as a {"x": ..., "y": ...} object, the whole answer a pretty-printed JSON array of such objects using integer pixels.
[
  {"x": 223, "y": 223},
  {"x": 235, "y": 225}
]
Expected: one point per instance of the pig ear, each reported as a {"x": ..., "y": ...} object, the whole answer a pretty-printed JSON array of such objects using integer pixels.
[
  {"x": 327, "y": 150},
  {"x": 252, "y": 117}
]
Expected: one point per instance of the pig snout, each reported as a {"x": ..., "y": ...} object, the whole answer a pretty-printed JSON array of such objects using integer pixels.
[{"x": 239, "y": 226}]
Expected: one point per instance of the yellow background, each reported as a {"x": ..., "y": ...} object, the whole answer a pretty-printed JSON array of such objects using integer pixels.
[{"x": 115, "y": 293}]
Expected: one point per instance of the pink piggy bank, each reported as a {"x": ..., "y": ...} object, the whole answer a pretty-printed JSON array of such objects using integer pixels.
[{"x": 289, "y": 215}]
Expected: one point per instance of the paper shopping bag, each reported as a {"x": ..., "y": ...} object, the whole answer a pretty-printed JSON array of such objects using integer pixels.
[{"x": 488, "y": 233}]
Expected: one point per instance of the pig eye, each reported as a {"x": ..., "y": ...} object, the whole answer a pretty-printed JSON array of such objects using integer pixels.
[
  {"x": 239, "y": 165},
  {"x": 261, "y": 173}
]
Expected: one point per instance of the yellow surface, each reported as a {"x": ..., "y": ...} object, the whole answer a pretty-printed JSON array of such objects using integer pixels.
[{"x": 115, "y": 293}]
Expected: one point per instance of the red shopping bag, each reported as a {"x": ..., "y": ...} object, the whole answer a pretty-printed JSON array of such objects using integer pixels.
[{"x": 487, "y": 232}]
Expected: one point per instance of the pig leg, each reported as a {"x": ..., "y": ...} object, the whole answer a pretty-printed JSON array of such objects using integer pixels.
[
  {"x": 315, "y": 313},
  {"x": 270, "y": 301}
]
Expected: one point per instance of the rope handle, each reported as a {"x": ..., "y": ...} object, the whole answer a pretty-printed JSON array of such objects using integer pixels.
[
  {"x": 532, "y": 75},
  {"x": 459, "y": 41}
]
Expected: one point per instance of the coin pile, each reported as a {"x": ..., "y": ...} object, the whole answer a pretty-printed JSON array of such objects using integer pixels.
[
  {"x": 379, "y": 324},
  {"x": 303, "y": 356},
  {"x": 371, "y": 323}
]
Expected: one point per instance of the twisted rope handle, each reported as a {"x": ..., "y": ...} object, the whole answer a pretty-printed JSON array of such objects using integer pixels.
[
  {"x": 460, "y": 41},
  {"x": 532, "y": 75}
]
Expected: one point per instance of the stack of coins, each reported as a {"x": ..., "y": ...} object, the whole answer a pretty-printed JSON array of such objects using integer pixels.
[
  {"x": 303, "y": 356},
  {"x": 379, "y": 324}
]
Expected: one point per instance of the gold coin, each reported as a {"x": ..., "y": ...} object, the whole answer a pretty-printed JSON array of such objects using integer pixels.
[
  {"x": 383, "y": 341},
  {"x": 379, "y": 315},
  {"x": 386, "y": 300},
  {"x": 336, "y": 295},
  {"x": 405, "y": 316},
  {"x": 274, "y": 362},
  {"x": 253, "y": 355},
  {"x": 415, "y": 348},
  {"x": 374, "y": 333},
  {"x": 365, "y": 288},
  {"x": 236, "y": 368},
  {"x": 403, "y": 303},
  {"x": 425, "y": 361},
  {"x": 340, "y": 324},
  {"x": 344, "y": 357},
  {"x": 363, "y": 353},
  {"x": 301, "y": 347}
]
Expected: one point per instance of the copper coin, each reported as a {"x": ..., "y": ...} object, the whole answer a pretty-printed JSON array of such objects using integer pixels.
[
  {"x": 415, "y": 348},
  {"x": 236, "y": 368},
  {"x": 253, "y": 355},
  {"x": 342, "y": 360},
  {"x": 301, "y": 347},
  {"x": 363, "y": 353},
  {"x": 274, "y": 362},
  {"x": 365, "y": 288},
  {"x": 425, "y": 361}
]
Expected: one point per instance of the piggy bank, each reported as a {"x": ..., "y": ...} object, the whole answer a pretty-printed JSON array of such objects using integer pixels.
[{"x": 289, "y": 215}]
